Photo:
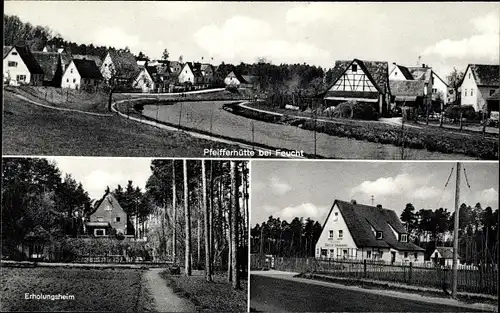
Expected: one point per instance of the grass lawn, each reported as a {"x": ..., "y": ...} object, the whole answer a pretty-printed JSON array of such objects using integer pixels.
[
  {"x": 117, "y": 290},
  {"x": 217, "y": 296},
  {"x": 64, "y": 98},
  {"x": 31, "y": 130}
]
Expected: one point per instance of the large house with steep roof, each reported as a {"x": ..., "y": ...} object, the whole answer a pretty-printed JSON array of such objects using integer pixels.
[
  {"x": 411, "y": 85},
  {"x": 120, "y": 66},
  {"x": 361, "y": 81},
  {"x": 20, "y": 67},
  {"x": 480, "y": 81},
  {"x": 358, "y": 231},
  {"x": 108, "y": 215},
  {"x": 82, "y": 74},
  {"x": 52, "y": 67}
]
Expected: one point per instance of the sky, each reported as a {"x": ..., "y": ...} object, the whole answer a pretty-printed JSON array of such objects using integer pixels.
[
  {"x": 443, "y": 35},
  {"x": 288, "y": 189},
  {"x": 96, "y": 173}
]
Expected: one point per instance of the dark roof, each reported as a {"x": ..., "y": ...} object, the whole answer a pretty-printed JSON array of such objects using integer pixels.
[
  {"x": 495, "y": 95},
  {"x": 377, "y": 72},
  {"x": 404, "y": 70},
  {"x": 407, "y": 87},
  {"x": 239, "y": 77},
  {"x": 360, "y": 218},
  {"x": 152, "y": 70},
  {"x": 195, "y": 68},
  {"x": 66, "y": 59},
  {"x": 420, "y": 73},
  {"x": 38, "y": 233},
  {"x": 125, "y": 64},
  {"x": 445, "y": 252},
  {"x": 485, "y": 75},
  {"x": 29, "y": 60},
  {"x": 94, "y": 58},
  {"x": 49, "y": 61},
  {"x": 6, "y": 50},
  {"x": 87, "y": 69},
  {"x": 250, "y": 78}
]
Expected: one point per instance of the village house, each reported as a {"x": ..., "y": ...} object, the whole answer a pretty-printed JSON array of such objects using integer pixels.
[
  {"x": 444, "y": 256},
  {"x": 412, "y": 86},
  {"x": 241, "y": 81},
  {"x": 357, "y": 231},
  {"x": 441, "y": 90},
  {"x": 361, "y": 81},
  {"x": 82, "y": 74},
  {"x": 493, "y": 103},
  {"x": 94, "y": 58},
  {"x": 121, "y": 66},
  {"x": 208, "y": 74},
  {"x": 20, "y": 67},
  {"x": 107, "y": 216},
  {"x": 191, "y": 74},
  {"x": 52, "y": 67},
  {"x": 479, "y": 82},
  {"x": 144, "y": 80},
  {"x": 176, "y": 67}
]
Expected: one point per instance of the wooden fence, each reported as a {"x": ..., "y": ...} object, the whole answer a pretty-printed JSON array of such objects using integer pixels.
[{"x": 483, "y": 280}]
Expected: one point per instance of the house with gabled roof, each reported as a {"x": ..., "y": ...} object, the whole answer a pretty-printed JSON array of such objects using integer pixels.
[
  {"x": 82, "y": 74},
  {"x": 411, "y": 85},
  {"x": 444, "y": 256},
  {"x": 97, "y": 60},
  {"x": 20, "y": 67},
  {"x": 144, "y": 80},
  {"x": 120, "y": 66},
  {"x": 52, "y": 67},
  {"x": 361, "y": 81},
  {"x": 108, "y": 215},
  {"x": 493, "y": 102},
  {"x": 479, "y": 82},
  {"x": 191, "y": 73},
  {"x": 234, "y": 78},
  {"x": 358, "y": 231}
]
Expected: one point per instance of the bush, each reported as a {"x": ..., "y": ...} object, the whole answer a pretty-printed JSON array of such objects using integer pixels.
[
  {"x": 357, "y": 110},
  {"x": 468, "y": 112}
]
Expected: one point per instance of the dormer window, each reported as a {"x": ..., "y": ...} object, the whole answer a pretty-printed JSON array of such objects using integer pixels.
[
  {"x": 379, "y": 235},
  {"x": 404, "y": 238}
]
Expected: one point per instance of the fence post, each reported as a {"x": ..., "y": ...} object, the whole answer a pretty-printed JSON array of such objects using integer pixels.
[
  {"x": 364, "y": 268},
  {"x": 409, "y": 273}
]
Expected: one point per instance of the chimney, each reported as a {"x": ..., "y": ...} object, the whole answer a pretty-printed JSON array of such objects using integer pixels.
[
  {"x": 379, "y": 206},
  {"x": 354, "y": 201}
]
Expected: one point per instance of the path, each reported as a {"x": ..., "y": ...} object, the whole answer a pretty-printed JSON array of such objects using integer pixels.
[
  {"x": 173, "y": 93},
  {"x": 165, "y": 298}
]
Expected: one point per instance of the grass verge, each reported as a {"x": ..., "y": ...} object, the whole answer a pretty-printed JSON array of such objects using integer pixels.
[
  {"x": 216, "y": 296},
  {"x": 31, "y": 130},
  {"x": 431, "y": 139},
  {"x": 100, "y": 290}
]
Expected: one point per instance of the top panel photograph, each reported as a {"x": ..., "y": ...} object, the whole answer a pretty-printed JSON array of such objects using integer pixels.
[{"x": 373, "y": 81}]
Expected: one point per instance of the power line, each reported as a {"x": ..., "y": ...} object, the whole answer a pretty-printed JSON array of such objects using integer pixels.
[{"x": 445, "y": 185}]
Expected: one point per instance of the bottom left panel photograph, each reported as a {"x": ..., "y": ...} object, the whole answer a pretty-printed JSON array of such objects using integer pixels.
[{"x": 124, "y": 234}]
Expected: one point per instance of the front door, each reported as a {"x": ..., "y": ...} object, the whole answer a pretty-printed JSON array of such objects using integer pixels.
[{"x": 393, "y": 256}]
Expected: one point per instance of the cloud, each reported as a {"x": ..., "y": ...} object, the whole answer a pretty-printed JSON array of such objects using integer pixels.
[
  {"x": 278, "y": 187},
  {"x": 116, "y": 37},
  {"x": 386, "y": 186},
  {"x": 244, "y": 38},
  {"x": 488, "y": 196},
  {"x": 426, "y": 192},
  {"x": 483, "y": 44},
  {"x": 305, "y": 210},
  {"x": 310, "y": 13}
]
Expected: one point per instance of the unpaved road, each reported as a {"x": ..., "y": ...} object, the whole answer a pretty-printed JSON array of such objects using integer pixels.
[{"x": 165, "y": 298}]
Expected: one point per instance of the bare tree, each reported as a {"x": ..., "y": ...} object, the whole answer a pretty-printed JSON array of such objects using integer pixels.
[
  {"x": 187, "y": 221},
  {"x": 174, "y": 216}
]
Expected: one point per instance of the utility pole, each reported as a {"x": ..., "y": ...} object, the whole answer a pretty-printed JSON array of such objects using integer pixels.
[
  {"x": 455, "y": 234},
  {"x": 315, "y": 122}
]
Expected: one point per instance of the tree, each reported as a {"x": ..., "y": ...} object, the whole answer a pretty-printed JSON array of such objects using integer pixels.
[
  {"x": 142, "y": 56},
  {"x": 174, "y": 217},
  {"x": 206, "y": 213},
  {"x": 165, "y": 55},
  {"x": 234, "y": 228},
  {"x": 187, "y": 221},
  {"x": 408, "y": 217}
]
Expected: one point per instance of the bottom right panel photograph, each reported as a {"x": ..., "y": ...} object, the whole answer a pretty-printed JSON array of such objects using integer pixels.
[{"x": 349, "y": 236}]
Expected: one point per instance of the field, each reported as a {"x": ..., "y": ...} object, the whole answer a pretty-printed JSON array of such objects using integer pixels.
[
  {"x": 217, "y": 296},
  {"x": 31, "y": 130},
  {"x": 431, "y": 138},
  {"x": 116, "y": 290}
]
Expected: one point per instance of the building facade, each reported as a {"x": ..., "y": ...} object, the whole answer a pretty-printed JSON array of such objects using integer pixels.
[
  {"x": 107, "y": 216},
  {"x": 20, "y": 67},
  {"x": 479, "y": 82}
]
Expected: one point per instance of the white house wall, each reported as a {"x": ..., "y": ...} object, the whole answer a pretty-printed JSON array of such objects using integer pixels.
[
  {"x": 186, "y": 75},
  {"x": 11, "y": 73},
  {"x": 469, "y": 90},
  {"x": 335, "y": 223},
  {"x": 396, "y": 74},
  {"x": 71, "y": 78},
  {"x": 231, "y": 80},
  {"x": 144, "y": 81},
  {"x": 107, "y": 67},
  {"x": 438, "y": 86}
]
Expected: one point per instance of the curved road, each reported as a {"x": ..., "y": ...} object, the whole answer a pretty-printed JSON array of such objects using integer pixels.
[
  {"x": 270, "y": 294},
  {"x": 209, "y": 116}
]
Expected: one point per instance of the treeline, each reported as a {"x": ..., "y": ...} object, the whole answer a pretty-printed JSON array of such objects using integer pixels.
[
  {"x": 295, "y": 239},
  {"x": 34, "y": 193},
  {"x": 477, "y": 231}
]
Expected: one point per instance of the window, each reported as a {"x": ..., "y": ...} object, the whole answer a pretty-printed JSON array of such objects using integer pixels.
[
  {"x": 492, "y": 91},
  {"x": 470, "y": 75},
  {"x": 380, "y": 235},
  {"x": 67, "y": 80},
  {"x": 404, "y": 238},
  {"x": 330, "y": 235},
  {"x": 434, "y": 90},
  {"x": 74, "y": 80},
  {"x": 406, "y": 255},
  {"x": 472, "y": 92},
  {"x": 354, "y": 68},
  {"x": 341, "y": 234},
  {"x": 336, "y": 217},
  {"x": 12, "y": 64},
  {"x": 465, "y": 92},
  {"x": 395, "y": 73},
  {"x": 117, "y": 219},
  {"x": 415, "y": 255},
  {"x": 14, "y": 53},
  {"x": 99, "y": 232},
  {"x": 345, "y": 253},
  {"x": 71, "y": 71},
  {"x": 368, "y": 254},
  {"x": 21, "y": 78}
]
